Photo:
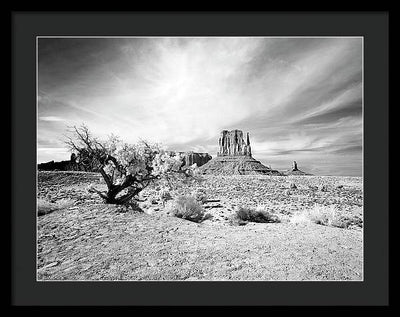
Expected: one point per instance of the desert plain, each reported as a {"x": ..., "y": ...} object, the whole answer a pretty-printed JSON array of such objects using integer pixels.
[{"x": 81, "y": 238}]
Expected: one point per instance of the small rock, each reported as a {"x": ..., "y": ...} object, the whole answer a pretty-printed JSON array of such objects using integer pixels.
[
  {"x": 324, "y": 188},
  {"x": 50, "y": 265}
]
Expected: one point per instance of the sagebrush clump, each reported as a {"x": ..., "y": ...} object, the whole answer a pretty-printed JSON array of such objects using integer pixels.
[
  {"x": 187, "y": 207},
  {"x": 329, "y": 215},
  {"x": 259, "y": 214}
]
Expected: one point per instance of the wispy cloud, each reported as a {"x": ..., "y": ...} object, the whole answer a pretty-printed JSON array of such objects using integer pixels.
[{"x": 51, "y": 118}]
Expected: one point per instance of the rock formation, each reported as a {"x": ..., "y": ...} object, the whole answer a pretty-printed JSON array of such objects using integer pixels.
[
  {"x": 73, "y": 165},
  {"x": 190, "y": 158},
  {"x": 200, "y": 159},
  {"x": 56, "y": 166},
  {"x": 295, "y": 171},
  {"x": 70, "y": 165},
  {"x": 234, "y": 157},
  {"x": 231, "y": 143}
]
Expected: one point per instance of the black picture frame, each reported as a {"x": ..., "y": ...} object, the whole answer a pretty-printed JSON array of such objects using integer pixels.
[{"x": 373, "y": 26}]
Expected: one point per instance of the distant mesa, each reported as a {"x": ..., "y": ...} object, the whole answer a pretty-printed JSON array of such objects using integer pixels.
[
  {"x": 234, "y": 157},
  {"x": 196, "y": 158},
  {"x": 70, "y": 165},
  {"x": 295, "y": 171},
  {"x": 190, "y": 158},
  {"x": 75, "y": 164}
]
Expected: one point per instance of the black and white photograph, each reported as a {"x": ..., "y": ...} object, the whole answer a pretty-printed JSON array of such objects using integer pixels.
[{"x": 234, "y": 158}]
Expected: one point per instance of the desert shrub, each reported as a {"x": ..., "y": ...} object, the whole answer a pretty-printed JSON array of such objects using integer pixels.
[
  {"x": 259, "y": 214},
  {"x": 234, "y": 220},
  {"x": 165, "y": 195},
  {"x": 187, "y": 207},
  {"x": 324, "y": 215},
  {"x": 200, "y": 195},
  {"x": 301, "y": 217},
  {"x": 328, "y": 216},
  {"x": 45, "y": 206}
]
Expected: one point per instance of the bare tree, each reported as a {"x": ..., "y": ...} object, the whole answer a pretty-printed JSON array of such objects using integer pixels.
[
  {"x": 89, "y": 151},
  {"x": 126, "y": 169}
]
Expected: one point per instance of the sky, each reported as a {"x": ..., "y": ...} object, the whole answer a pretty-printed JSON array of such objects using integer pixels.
[{"x": 299, "y": 98}]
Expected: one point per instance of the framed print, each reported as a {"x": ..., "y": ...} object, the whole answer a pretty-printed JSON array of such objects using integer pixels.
[{"x": 202, "y": 158}]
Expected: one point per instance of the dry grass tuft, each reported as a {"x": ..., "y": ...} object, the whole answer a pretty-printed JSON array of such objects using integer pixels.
[
  {"x": 187, "y": 207},
  {"x": 45, "y": 207},
  {"x": 258, "y": 214},
  {"x": 328, "y": 216}
]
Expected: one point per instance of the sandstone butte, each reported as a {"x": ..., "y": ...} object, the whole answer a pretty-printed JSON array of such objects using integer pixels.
[
  {"x": 295, "y": 171},
  {"x": 234, "y": 157}
]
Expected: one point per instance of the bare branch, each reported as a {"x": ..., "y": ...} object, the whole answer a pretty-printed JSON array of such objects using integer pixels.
[
  {"x": 127, "y": 197},
  {"x": 101, "y": 194},
  {"x": 106, "y": 178}
]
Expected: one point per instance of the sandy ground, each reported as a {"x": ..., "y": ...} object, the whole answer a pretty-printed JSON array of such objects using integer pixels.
[{"x": 91, "y": 241}]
